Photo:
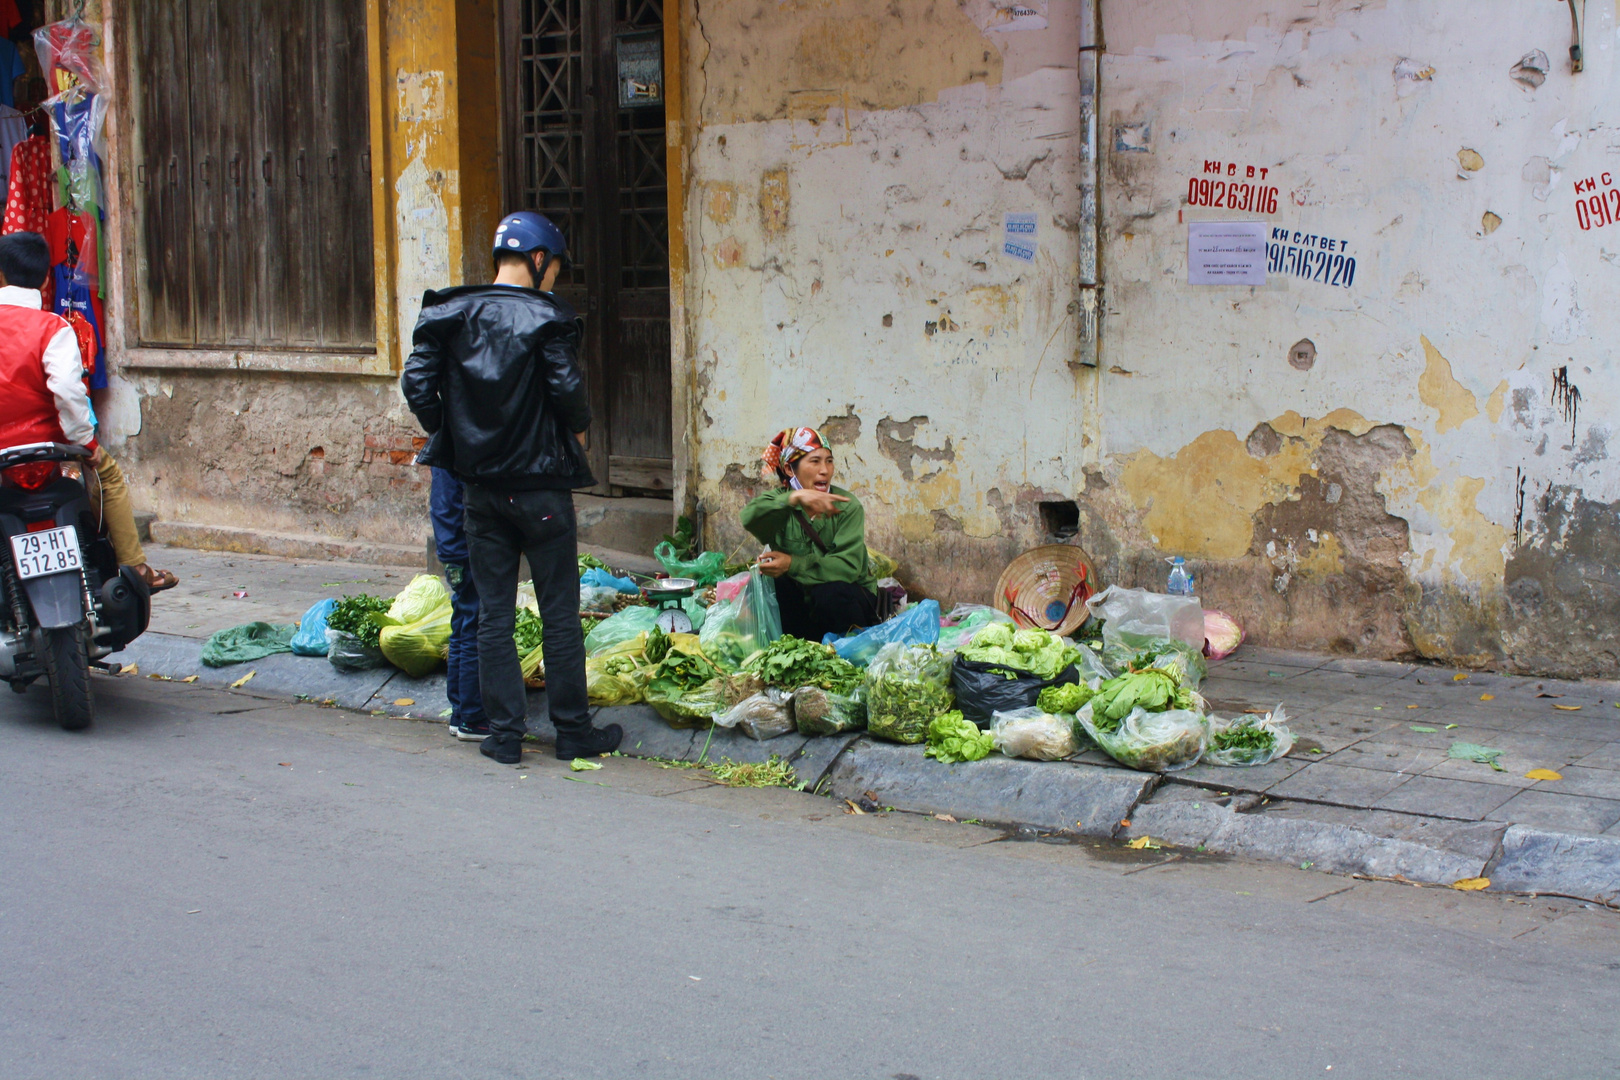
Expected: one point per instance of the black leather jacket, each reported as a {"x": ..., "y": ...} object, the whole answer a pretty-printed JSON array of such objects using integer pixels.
[{"x": 494, "y": 379}]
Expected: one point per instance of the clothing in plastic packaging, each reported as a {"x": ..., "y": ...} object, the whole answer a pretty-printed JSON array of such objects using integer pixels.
[
  {"x": 1034, "y": 733},
  {"x": 984, "y": 689},
  {"x": 311, "y": 637},
  {"x": 917, "y": 625}
]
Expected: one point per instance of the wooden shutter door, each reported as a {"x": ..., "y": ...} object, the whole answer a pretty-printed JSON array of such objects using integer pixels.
[{"x": 164, "y": 173}]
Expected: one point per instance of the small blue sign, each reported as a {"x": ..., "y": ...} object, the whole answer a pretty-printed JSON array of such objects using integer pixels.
[{"x": 1019, "y": 237}]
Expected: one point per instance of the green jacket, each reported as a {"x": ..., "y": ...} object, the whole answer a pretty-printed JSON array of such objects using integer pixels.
[{"x": 772, "y": 520}]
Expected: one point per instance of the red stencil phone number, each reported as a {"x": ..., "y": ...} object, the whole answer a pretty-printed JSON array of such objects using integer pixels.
[{"x": 1231, "y": 195}]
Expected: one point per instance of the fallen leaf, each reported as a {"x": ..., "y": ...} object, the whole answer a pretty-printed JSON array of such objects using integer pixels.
[
  {"x": 1568, "y": 708},
  {"x": 1411, "y": 706},
  {"x": 1549, "y": 695},
  {"x": 189, "y": 678},
  {"x": 1543, "y": 774},
  {"x": 1471, "y": 884},
  {"x": 1487, "y": 697},
  {"x": 853, "y": 809},
  {"x": 580, "y": 764},
  {"x": 130, "y": 669},
  {"x": 447, "y": 712},
  {"x": 944, "y": 817},
  {"x": 195, "y": 911},
  {"x": 1422, "y": 730},
  {"x": 1145, "y": 843},
  {"x": 1378, "y": 708},
  {"x": 403, "y": 701},
  {"x": 1125, "y": 823},
  {"x": 1450, "y": 726},
  {"x": 160, "y": 678},
  {"x": 243, "y": 681},
  {"x": 286, "y": 764},
  {"x": 1459, "y": 677}
]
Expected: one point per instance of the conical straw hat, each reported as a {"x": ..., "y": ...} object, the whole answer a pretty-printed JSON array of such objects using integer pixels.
[{"x": 1047, "y": 587}]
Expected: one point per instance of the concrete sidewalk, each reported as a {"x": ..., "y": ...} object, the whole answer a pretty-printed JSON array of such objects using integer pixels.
[{"x": 1368, "y": 787}]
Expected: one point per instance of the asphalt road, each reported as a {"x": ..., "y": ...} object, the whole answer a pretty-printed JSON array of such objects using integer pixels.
[{"x": 212, "y": 885}]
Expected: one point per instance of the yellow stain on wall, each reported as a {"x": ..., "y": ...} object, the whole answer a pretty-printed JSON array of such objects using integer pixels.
[
  {"x": 1440, "y": 391},
  {"x": 1497, "y": 401},
  {"x": 1477, "y": 543}
]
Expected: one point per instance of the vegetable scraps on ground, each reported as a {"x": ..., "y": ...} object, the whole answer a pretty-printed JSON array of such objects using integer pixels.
[
  {"x": 352, "y": 615},
  {"x": 951, "y": 739},
  {"x": 1038, "y": 652}
]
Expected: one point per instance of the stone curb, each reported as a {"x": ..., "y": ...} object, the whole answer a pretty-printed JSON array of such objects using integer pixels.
[
  {"x": 287, "y": 545},
  {"x": 1064, "y": 797}
]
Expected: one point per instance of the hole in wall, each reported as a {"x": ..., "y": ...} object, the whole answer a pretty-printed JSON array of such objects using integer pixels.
[
  {"x": 1061, "y": 519},
  {"x": 1302, "y": 355}
]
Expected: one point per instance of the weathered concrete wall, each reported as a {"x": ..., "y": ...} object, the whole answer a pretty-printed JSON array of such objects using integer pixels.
[{"x": 1411, "y": 459}]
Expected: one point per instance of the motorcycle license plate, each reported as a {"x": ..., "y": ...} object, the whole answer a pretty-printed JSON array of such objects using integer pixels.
[{"x": 41, "y": 554}]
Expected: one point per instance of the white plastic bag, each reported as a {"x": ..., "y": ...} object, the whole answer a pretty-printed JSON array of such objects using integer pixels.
[
  {"x": 1033, "y": 733},
  {"x": 761, "y": 716},
  {"x": 1165, "y": 741}
]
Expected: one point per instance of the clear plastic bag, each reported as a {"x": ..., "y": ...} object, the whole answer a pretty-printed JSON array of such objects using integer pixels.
[
  {"x": 348, "y": 653},
  {"x": 964, "y": 621},
  {"x": 734, "y": 630},
  {"x": 311, "y": 637},
  {"x": 1167, "y": 741},
  {"x": 597, "y": 598},
  {"x": 907, "y": 687},
  {"x": 1033, "y": 733},
  {"x": 706, "y": 569},
  {"x": 1169, "y": 654},
  {"x": 616, "y": 678},
  {"x": 418, "y": 647},
  {"x": 1149, "y": 615},
  {"x": 1274, "y": 724},
  {"x": 822, "y": 712},
  {"x": 766, "y": 715},
  {"x": 917, "y": 625}
]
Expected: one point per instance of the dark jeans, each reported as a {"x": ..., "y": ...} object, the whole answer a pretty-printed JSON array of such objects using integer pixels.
[
  {"x": 540, "y": 525},
  {"x": 446, "y": 504},
  {"x": 833, "y": 607}
]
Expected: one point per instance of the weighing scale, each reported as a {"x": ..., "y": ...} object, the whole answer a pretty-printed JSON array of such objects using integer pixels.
[{"x": 666, "y": 595}]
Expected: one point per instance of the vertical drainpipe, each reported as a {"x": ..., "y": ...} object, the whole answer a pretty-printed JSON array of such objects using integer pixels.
[{"x": 1089, "y": 303}]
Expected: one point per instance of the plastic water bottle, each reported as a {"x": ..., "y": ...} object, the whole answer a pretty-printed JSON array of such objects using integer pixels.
[{"x": 1181, "y": 579}]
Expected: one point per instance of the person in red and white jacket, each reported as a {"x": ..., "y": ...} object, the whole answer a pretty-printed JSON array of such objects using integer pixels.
[{"x": 42, "y": 391}]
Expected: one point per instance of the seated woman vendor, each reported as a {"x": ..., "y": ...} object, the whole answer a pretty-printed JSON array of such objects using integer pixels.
[{"x": 817, "y": 536}]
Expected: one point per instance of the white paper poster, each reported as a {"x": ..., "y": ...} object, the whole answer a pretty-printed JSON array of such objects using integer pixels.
[
  {"x": 1018, "y": 237},
  {"x": 1226, "y": 252}
]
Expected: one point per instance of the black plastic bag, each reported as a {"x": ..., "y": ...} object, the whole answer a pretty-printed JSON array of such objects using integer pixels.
[{"x": 982, "y": 689}]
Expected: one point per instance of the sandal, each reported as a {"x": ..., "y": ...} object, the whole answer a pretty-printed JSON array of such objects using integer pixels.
[{"x": 156, "y": 580}]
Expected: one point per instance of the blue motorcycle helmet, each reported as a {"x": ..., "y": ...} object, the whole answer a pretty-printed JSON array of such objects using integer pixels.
[{"x": 527, "y": 231}]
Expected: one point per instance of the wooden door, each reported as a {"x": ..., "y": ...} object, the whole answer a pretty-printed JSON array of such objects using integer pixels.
[
  {"x": 587, "y": 150},
  {"x": 163, "y": 176}
]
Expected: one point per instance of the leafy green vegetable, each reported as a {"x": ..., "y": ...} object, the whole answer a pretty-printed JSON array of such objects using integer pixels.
[
  {"x": 771, "y": 773},
  {"x": 527, "y": 631},
  {"x": 1153, "y": 690},
  {"x": 1067, "y": 698},
  {"x": 953, "y": 739},
  {"x": 657, "y": 646},
  {"x": 352, "y": 615},
  {"x": 1245, "y": 734},
  {"x": 679, "y": 672},
  {"x": 790, "y": 662},
  {"x": 591, "y": 562},
  {"x": 906, "y": 688},
  {"x": 1032, "y": 651}
]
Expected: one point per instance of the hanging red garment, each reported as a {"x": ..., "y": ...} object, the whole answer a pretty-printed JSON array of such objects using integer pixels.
[
  {"x": 28, "y": 197},
  {"x": 75, "y": 288}
]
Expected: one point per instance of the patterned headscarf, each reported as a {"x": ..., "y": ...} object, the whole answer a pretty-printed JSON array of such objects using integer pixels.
[{"x": 786, "y": 450}]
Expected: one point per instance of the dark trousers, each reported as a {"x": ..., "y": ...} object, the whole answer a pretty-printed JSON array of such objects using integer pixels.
[
  {"x": 540, "y": 525},
  {"x": 834, "y": 607},
  {"x": 446, "y": 500}
]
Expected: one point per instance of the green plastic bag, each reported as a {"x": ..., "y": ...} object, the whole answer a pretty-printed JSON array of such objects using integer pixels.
[
  {"x": 708, "y": 568},
  {"x": 253, "y": 641},
  {"x": 619, "y": 628},
  {"x": 417, "y": 648},
  {"x": 736, "y": 629}
]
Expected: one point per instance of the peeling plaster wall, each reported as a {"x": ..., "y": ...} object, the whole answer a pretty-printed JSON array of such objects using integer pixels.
[{"x": 1415, "y": 462}]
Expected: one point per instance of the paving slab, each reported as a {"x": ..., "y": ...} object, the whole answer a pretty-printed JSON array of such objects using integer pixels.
[
  {"x": 648, "y": 735},
  {"x": 1477, "y": 840},
  {"x": 277, "y": 675},
  {"x": 1540, "y": 861},
  {"x": 1438, "y": 797},
  {"x": 1578, "y": 780},
  {"x": 1475, "y": 773},
  {"x": 1054, "y": 795},
  {"x": 1606, "y": 756},
  {"x": 425, "y": 698},
  {"x": 1562, "y": 813},
  {"x": 1339, "y": 784},
  {"x": 1254, "y": 778},
  {"x": 815, "y": 759},
  {"x": 1388, "y": 757}
]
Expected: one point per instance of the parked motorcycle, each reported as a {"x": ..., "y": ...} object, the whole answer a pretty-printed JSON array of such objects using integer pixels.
[{"x": 67, "y": 602}]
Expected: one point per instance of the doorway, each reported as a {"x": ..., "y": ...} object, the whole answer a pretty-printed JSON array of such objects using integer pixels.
[{"x": 583, "y": 132}]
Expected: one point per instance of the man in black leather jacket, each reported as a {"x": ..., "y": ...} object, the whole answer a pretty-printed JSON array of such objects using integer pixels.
[{"x": 494, "y": 379}]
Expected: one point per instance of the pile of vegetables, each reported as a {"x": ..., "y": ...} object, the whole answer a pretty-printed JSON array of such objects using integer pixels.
[
  {"x": 1154, "y": 690},
  {"x": 352, "y": 615},
  {"x": 1066, "y": 699},
  {"x": 1033, "y": 651},
  {"x": 1034, "y": 733},
  {"x": 1147, "y": 720},
  {"x": 790, "y": 662},
  {"x": 1250, "y": 740},
  {"x": 907, "y": 687},
  {"x": 951, "y": 739},
  {"x": 527, "y": 631}
]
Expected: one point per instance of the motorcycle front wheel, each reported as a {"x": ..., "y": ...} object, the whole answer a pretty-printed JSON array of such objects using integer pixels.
[{"x": 66, "y": 657}]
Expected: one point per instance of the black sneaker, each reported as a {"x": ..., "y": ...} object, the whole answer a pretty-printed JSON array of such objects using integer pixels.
[
  {"x": 590, "y": 742},
  {"x": 471, "y": 732},
  {"x": 506, "y": 749}
]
